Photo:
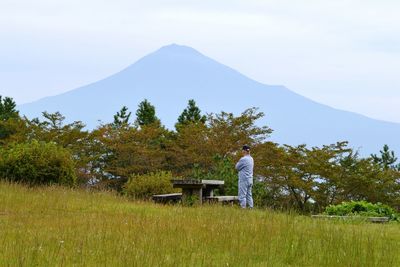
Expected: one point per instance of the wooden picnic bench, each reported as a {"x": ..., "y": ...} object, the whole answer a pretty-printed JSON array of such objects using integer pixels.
[
  {"x": 167, "y": 198},
  {"x": 223, "y": 199}
]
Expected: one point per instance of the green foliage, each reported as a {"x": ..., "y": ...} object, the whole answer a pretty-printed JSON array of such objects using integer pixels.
[
  {"x": 13, "y": 129},
  {"x": 122, "y": 117},
  {"x": 227, "y": 133},
  {"x": 223, "y": 134},
  {"x": 387, "y": 159},
  {"x": 206, "y": 147},
  {"x": 67, "y": 135},
  {"x": 53, "y": 120},
  {"x": 8, "y": 109},
  {"x": 132, "y": 150},
  {"x": 146, "y": 114},
  {"x": 361, "y": 208},
  {"x": 37, "y": 163},
  {"x": 224, "y": 169},
  {"x": 191, "y": 114},
  {"x": 311, "y": 179},
  {"x": 53, "y": 128},
  {"x": 9, "y": 117},
  {"x": 190, "y": 201},
  {"x": 146, "y": 185}
]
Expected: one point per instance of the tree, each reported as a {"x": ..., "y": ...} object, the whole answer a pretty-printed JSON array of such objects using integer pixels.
[
  {"x": 387, "y": 159},
  {"x": 8, "y": 109},
  {"x": 13, "y": 130},
  {"x": 146, "y": 114},
  {"x": 71, "y": 136},
  {"x": 122, "y": 117},
  {"x": 191, "y": 114},
  {"x": 228, "y": 133},
  {"x": 9, "y": 118},
  {"x": 224, "y": 169},
  {"x": 298, "y": 177},
  {"x": 53, "y": 129},
  {"x": 197, "y": 144},
  {"x": 363, "y": 179},
  {"x": 54, "y": 120},
  {"x": 128, "y": 151}
]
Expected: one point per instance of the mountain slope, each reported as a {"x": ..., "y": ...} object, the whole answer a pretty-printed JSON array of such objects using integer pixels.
[{"x": 172, "y": 75}]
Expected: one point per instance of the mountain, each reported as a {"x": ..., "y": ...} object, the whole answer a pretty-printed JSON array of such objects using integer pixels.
[{"x": 172, "y": 75}]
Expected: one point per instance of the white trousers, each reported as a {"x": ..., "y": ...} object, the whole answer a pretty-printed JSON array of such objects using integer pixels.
[{"x": 245, "y": 193}]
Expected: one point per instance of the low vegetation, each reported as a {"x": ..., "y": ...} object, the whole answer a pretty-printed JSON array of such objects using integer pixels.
[
  {"x": 58, "y": 226},
  {"x": 37, "y": 163},
  {"x": 362, "y": 208},
  {"x": 146, "y": 185}
]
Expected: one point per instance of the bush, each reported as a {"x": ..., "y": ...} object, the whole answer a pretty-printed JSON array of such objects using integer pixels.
[
  {"x": 361, "y": 208},
  {"x": 146, "y": 185},
  {"x": 37, "y": 163}
]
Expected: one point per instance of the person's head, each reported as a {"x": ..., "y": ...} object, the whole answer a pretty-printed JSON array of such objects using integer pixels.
[{"x": 246, "y": 150}]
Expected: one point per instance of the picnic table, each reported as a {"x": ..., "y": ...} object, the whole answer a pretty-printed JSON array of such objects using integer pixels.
[{"x": 198, "y": 189}]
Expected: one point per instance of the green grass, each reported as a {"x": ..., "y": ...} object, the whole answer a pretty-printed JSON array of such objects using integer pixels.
[{"x": 64, "y": 227}]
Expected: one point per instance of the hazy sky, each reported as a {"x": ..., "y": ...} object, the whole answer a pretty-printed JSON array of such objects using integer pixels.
[{"x": 344, "y": 53}]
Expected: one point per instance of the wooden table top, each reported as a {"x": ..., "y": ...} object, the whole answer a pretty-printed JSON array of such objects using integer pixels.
[{"x": 184, "y": 182}]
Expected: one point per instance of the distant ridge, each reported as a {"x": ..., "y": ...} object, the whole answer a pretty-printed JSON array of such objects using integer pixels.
[{"x": 172, "y": 75}]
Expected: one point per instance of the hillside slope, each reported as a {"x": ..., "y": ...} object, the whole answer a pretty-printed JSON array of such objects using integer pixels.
[{"x": 54, "y": 226}]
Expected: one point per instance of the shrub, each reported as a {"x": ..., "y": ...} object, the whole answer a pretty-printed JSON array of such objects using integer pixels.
[
  {"x": 37, "y": 163},
  {"x": 361, "y": 208},
  {"x": 223, "y": 168},
  {"x": 146, "y": 185}
]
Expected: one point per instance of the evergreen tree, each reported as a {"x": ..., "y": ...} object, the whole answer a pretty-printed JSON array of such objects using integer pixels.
[
  {"x": 191, "y": 114},
  {"x": 8, "y": 109},
  {"x": 53, "y": 120},
  {"x": 387, "y": 159},
  {"x": 9, "y": 118},
  {"x": 146, "y": 114},
  {"x": 122, "y": 117}
]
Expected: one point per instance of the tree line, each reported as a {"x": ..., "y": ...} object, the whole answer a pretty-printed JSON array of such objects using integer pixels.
[{"x": 201, "y": 146}]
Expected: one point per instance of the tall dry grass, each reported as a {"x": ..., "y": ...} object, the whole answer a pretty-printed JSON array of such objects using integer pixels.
[{"x": 63, "y": 227}]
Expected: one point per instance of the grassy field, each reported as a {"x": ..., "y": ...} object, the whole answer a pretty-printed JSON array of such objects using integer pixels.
[{"x": 64, "y": 227}]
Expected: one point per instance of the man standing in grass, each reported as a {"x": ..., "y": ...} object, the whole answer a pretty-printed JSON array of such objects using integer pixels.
[{"x": 245, "y": 168}]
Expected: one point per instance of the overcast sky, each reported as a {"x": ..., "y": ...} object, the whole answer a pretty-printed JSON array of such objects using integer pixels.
[{"x": 344, "y": 53}]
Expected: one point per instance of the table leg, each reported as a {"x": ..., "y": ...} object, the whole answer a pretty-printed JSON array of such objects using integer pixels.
[
  {"x": 208, "y": 192},
  {"x": 194, "y": 195}
]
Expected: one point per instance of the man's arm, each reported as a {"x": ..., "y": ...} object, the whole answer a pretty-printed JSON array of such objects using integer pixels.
[{"x": 240, "y": 164}]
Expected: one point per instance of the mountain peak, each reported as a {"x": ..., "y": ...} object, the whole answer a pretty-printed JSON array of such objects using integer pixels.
[
  {"x": 173, "y": 74},
  {"x": 178, "y": 49}
]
